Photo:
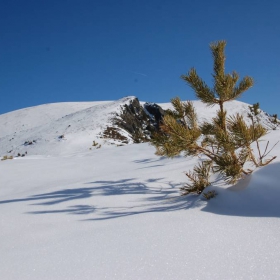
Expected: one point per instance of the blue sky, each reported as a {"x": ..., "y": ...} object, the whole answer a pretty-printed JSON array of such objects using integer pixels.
[{"x": 59, "y": 51}]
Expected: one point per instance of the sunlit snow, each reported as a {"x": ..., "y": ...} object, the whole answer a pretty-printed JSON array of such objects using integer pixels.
[{"x": 71, "y": 212}]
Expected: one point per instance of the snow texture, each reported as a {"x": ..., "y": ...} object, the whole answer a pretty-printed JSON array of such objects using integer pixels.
[{"x": 68, "y": 212}]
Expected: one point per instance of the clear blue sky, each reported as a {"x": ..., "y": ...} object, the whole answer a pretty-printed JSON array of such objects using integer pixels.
[{"x": 89, "y": 50}]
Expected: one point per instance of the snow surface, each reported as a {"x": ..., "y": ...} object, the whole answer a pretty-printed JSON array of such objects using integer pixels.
[{"x": 116, "y": 213}]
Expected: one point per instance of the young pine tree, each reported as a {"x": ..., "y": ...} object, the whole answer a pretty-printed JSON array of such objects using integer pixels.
[{"x": 225, "y": 142}]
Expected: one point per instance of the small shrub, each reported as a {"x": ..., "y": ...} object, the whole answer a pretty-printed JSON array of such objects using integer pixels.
[
  {"x": 113, "y": 133},
  {"x": 199, "y": 178},
  {"x": 94, "y": 144},
  {"x": 255, "y": 109},
  {"x": 7, "y": 157},
  {"x": 209, "y": 195}
]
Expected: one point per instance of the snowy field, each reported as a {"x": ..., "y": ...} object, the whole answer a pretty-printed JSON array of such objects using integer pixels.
[{"x": 117, "y": 213}]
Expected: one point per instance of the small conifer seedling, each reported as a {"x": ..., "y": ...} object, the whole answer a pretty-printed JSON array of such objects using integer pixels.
[{"x": 223, "y": 142}]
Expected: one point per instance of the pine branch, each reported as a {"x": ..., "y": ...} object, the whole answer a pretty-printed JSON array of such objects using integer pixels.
[
  {"x": 219, "y": 58},
  {"x": 202, "y": 91},
  {"x": 246, "y": 83}
]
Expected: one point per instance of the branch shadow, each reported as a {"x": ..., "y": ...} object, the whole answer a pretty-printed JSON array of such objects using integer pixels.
[
  {"x": 75, "y": 210},
  {"x": 256, "y": 196},
  {"x": 148, "y": 160},
  {"x": 159, "y": 204},
  {"x": 152, "y": 195},
  {"x": 152, "y": 160},
  {"x": 55, "y": 197}
]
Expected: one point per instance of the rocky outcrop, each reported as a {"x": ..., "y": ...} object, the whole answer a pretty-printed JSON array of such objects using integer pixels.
[
  {"x": 139, "y": 122},
  {"x": 155, "y": 112}
]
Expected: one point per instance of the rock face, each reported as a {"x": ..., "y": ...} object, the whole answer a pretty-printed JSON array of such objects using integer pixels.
[
  {"x": 155, "y": 112},
  {"x": 139, "y": 122}
]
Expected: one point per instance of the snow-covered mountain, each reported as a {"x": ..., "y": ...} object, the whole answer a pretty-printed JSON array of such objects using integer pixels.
[
  {"x": 55, "y": 129},
  {"x": 71, "y": 211},
  {"x": 65, "y": 128}
]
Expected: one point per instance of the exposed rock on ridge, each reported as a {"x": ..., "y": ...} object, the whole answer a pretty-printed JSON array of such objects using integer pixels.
[{"x": 139, "y": 122}]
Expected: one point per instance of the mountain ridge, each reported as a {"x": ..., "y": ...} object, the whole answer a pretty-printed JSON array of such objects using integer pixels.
[{"x": 72, "y": 127}]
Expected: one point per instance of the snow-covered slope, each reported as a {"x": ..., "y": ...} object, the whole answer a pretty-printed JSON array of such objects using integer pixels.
[
  {"x": 65, "y": 128},
  {"x": 116, "y": 212},
  {"x": 206, "y": 113},
  {"x": 56, "y": 129},
  {"x": 27, "y": 118}
]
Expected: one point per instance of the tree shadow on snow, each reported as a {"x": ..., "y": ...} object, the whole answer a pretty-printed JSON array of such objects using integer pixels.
[
  {"x": 75, "y": 210},
  {"x": 148, "y": 160},
  {"x": 256, "y": 196},
  {"x": 160, "y": 204},
  {"x": 103, "y": 188},
  {"x": 152, "y": 195}
]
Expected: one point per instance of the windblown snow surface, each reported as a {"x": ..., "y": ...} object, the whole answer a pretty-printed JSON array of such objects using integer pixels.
[{"x": 68, "y": 212}]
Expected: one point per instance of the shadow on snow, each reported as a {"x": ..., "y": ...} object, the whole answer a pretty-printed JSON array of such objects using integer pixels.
[
  {"x": 150, "y": 197},
  {"x": 256, "y": 196}
]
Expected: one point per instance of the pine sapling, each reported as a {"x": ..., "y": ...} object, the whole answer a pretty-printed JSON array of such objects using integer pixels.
[{"x": 224, "y": 141}]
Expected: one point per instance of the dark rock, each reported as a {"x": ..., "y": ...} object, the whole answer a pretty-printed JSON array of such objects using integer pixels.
[
  {"x": 132, "y": 120},
  {"x": 156, "y": 112},
  {"x": 139, "y": 121}
]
